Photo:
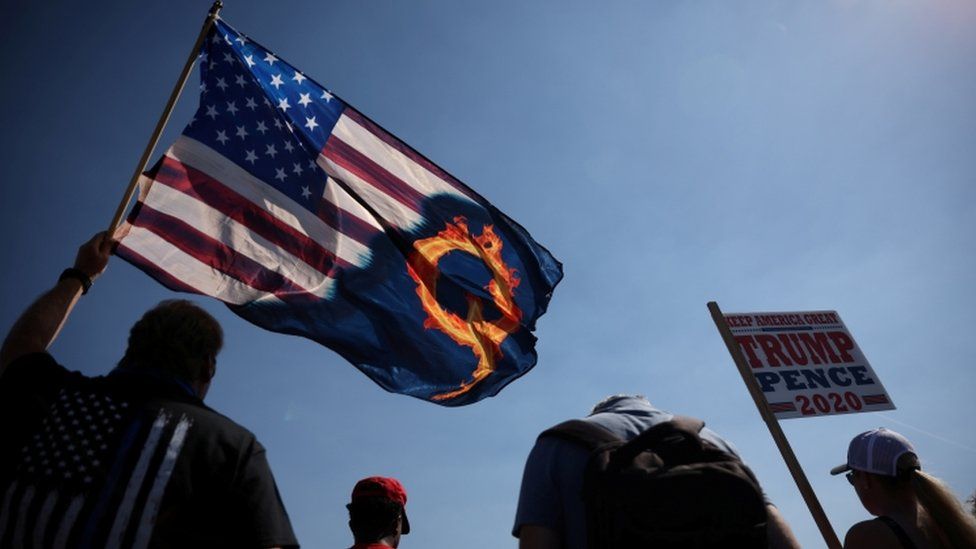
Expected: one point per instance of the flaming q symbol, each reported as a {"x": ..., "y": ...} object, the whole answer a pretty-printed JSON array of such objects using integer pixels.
[{"x": 484, "y": 337}]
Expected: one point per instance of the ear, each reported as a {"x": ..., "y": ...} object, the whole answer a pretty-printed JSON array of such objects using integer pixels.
[
  {"x": 211, "y": 365},
  {"x": 397, "y": 530}
]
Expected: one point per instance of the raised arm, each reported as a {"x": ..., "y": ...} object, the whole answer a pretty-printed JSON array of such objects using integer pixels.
[{"x": 37, "y": 326}]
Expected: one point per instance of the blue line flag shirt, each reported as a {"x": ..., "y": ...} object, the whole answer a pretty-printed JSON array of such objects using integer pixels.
[
  {"x": 306, "y": 217},
  {"x": 128, "y": 461}
]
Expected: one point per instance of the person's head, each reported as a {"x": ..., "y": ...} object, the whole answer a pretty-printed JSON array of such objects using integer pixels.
[
  {"x": 884, "y": 469},
  {"x": 377, "y": 512},
  {"x": 879, "y": 462},
  {"x": 179, "y": 338},
  {"x": 608, "y": 402}
]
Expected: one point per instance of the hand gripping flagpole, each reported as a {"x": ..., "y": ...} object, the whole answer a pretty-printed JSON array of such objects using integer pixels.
[
  {"x": 774, "y": 429},
  {"x": 164, "y": 118}
]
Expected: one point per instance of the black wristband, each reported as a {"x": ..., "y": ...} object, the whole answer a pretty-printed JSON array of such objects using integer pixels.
[{"x": 80, "y": 276}]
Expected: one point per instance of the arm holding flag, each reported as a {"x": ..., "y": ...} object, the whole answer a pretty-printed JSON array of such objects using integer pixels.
[{"x": 40, "y": 324}]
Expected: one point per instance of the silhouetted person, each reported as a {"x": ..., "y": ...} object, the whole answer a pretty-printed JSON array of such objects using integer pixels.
[
  {"x": 914, "y": 509},
  {"x": 377, "y": 513},
  {"x": 133, "y": 458},
  {"x": 553, "y": 513}
]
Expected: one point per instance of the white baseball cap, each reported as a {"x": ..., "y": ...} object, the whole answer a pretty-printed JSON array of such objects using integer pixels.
[{"x": 876, "y": 451}]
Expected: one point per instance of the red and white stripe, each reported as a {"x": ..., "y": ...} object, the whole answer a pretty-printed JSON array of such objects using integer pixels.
[
  {"x": 388, "y": 175},
  {"x": 213, "y": 228},
  {"x": 208, "y": 226}
]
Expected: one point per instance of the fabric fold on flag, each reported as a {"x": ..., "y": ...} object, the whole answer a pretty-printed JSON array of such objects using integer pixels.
[{"x": 306, "y": 217}]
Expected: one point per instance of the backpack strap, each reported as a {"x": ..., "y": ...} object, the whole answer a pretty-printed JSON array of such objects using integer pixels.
[
  {"x": 899, "y": 532},
  {"x": 585, "y": 433},
  {"x": 681, "y": 433},
  {"x": 592, "y": 435}
]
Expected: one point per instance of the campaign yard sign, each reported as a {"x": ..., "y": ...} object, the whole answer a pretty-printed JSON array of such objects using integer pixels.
[{"x": 807, "y": 364}]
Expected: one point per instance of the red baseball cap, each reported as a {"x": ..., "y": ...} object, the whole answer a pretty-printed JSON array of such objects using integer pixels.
[{"x": 385, "y": 488}]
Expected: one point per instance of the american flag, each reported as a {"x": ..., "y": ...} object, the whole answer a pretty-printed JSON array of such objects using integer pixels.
[
  {"x": 92, "y": 476},
  {"x": 305, "y": 217}
]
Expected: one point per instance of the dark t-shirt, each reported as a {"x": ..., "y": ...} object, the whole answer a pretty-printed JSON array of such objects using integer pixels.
[{"x": 127, "y": 460}]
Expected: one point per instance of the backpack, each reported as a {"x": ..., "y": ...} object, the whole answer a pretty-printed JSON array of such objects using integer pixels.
[{"x": 665, "y": 488}]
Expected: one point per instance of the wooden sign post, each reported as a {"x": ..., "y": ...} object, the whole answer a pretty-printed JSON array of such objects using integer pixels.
[{"x": 826, "y": 530}]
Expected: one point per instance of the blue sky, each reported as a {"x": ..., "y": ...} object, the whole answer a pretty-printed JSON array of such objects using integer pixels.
[{"x": 766, "y": 155}]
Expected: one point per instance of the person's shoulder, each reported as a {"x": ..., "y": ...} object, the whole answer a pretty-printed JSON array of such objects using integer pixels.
[
  {"x": 217, "y": 425},
  {"x": 33, "y": 365},
  {"x": 720, "y": 442},
  {"x": 225, "y": 422},
  {"x": 37, "y": 374},
  {"x": 870, "y": 534},
  {"x": 554, "y": 452}
]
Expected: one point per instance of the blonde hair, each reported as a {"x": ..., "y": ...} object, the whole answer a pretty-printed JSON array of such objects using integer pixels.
[
  {"x": 944, "y": 517},
  {"x": 952, "y": 525}
]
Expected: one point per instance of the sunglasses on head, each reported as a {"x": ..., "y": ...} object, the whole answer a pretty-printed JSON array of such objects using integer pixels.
[{"x": 850, "y": 477}]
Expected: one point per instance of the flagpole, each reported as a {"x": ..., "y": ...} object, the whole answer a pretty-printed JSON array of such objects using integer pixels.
[
  {"x": 826, "y": 530},
  {"x": 164, "y": 118}
]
